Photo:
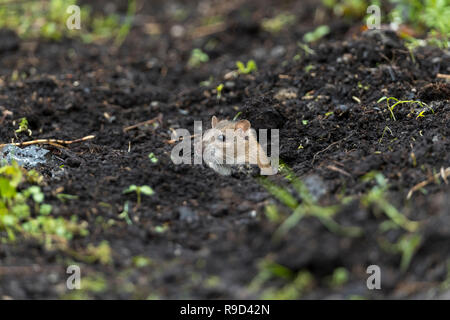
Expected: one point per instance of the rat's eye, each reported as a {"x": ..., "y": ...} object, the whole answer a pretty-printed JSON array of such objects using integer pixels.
[{"x": 221, "y": 137}]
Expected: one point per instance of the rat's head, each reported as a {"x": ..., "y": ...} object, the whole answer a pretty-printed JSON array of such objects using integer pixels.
[{"x": 219, "y": 143}]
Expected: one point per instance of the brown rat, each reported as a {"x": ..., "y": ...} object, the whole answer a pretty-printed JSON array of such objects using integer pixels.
[{"x": 230, "y": 143}]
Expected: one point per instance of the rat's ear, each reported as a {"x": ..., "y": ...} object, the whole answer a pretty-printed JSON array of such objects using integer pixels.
[
  {"x": 244, "y": 125},
  {"x": 214, "y": 121}
]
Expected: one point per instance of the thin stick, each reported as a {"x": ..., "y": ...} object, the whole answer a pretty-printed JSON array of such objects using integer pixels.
[
  {"x": 443, "y": 173},
  {"x": 332, "y": 144},
  {"x": 334, "y": 168},
  {"x": 172, "y": 141},
  {"x": 47, "y": 141},
  {"x": 443, "y": 76},
  {"x": 143, "y": 123},
  {"x": 204, "y": 31}
]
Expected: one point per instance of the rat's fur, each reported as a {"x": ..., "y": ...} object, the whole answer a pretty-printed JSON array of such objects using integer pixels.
[{"x": 240, "y": 146}]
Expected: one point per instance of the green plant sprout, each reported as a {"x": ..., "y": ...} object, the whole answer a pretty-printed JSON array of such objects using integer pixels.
[
  {"x": 350, "y": 9},
  {"x": 63, "y": 197},
  {"x": 278, "y": 23},
  {"x": 153, "y": 158},
  {"x": 339, "y": 277},
  {"x": 386, "y": 128},
  {"x": 407, "y": 246},
  {"x": 92, "y": 254},
  {"x": 124, "y": 214},
  {"x": 197, "y": 58},
  {"x": 308, "y": 207},
  {"x": 377, "y": 197},
  {"x": 23, "y": 127},
  {"x": 298, "y": 282},
  {"x": 317, "y": 34},
  {"x": 426, "y": 15},
  {"x": 246, "y": 69},
  {"x": 219, "y": 89},
  {"x": 305, "y": 48},
  {"x": 237, "y": 115},
  {"x": 145, "y": 190},
  {"x": 141, "y": 261},
  {"x": 125, "y": 28},
  {"x": 18, "y": 217},
  {"x": 398, "y": 102},
  {"x": 47, "y": 19}
]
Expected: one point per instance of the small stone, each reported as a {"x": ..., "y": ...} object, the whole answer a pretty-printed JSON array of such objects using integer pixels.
[
  {"x": 177, "y": 31},
  {"x": 286, "y": 94},
  {"x": 277, "y": 51},
  {"x": 343, "y": 108},
  {"x": 218, "y": 209},
  {"x": 259, "y": 53},
  {"x": 28, "y": 157},
  {"x": 257, "y": 196},
  {"x": 229, "y": 84},
  {"x": 186, "y": 214},
  {"x": 316, "y": 186}
]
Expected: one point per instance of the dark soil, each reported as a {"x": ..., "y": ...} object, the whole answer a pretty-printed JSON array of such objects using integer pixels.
[{"x": 216, "y": 228}]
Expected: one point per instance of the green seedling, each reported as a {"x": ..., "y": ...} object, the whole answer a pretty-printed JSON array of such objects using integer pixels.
[
  {"x": 339, "y": 277},
  {"x": 125, "y": 215},
  {"x": 23, "y": 127},
  {"x": 94, "y": 254},
  {"x": 125, "y": 27},
  {"x": 161, "y": 228},
  {"x": 386, "y": 128},
  {"x": 47, "y": 19},
  {"x": 219, "y": 89},
  {"x": 63, "y": 197},
  {"x": 153, "y": 158},
  {"x": 427, "y": 15},
  {"x": 407, "y": 246},
  {"x": 306, "y": 49},
  {"x": 278, "y": 23},
  {"x": 317, "y": 34},
  {"x": 309, "y": 67},
  {"x": 206, "y": 83},
  {"x": 246, "y": 69},
  {"x": 424, "y": 106},
  {"x": 377, "y": 197},
  {"x": 94, "y": 283},
  {"x": 198, "y": 57},
  {"x": 23, "y": 211},
  {"x": 350, "y": 9},
  {"x": 308, "y": 206},
  {"x": 237, "y": 115},
  {"x": 141, "y": 261},
  {"x": 298, "y": 283},
  {"x": 140, "y": 190},
  {"x": 272, "y": 213}
]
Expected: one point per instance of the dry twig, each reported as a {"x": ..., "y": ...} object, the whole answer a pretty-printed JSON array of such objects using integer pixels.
[
  {"x": 54, "y": 142},
  {"x": 443, "y": 173},
  {"x": 143, "y": 123}
]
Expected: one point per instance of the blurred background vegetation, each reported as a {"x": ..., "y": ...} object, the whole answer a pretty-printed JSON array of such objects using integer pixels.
[
  {"x": 47, "y": 19},
  {"x": 425, "y": 19}
]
